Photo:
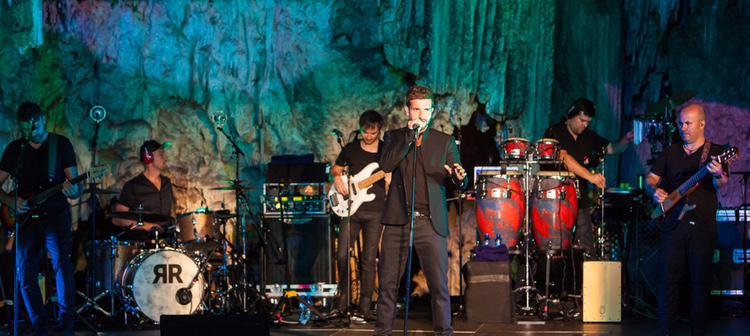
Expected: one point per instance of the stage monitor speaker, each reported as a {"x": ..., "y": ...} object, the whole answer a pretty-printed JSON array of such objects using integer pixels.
[
  {"x": 488, "y": 292},
  {"x": 310, "y": 250},
  {"x": 207, "y": 325},
  {"x": 602, "y": 291}
]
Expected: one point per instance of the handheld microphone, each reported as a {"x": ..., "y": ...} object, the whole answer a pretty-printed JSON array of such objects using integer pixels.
[
  {"x": 415, "y": 127},
  {"x": 337, "y": 133}
]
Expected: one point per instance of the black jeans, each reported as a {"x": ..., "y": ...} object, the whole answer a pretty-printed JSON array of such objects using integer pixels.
[
  {"x": 369, "y": 223},
  {"x": 685, "y": 248},
  {"x": 432, "y": 250},
  {"x": 54, "y": 232}
]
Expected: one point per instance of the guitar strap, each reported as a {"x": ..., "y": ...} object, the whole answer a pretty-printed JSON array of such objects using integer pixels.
[
  {"x": 52, "y": 157},
  {"x": 704, "y": 155}
]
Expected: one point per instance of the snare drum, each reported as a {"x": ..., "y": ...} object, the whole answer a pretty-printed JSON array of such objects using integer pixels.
[
  {"x": 500, "y": 206},
  {"x": 514, "y": 148},
  {"x": 554, "y": 208},
  {"x": 152, "y": 280},
  {"x": 546, "y": 150}
]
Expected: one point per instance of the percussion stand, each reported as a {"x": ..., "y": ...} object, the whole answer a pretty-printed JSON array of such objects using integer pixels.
[
  {"x": 527, "y": 288},
  {"x": 601, "y": 230}
]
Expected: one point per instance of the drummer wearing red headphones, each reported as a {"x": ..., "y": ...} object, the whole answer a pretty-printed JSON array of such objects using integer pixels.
[
  {"x": 149, "y": 192},
  {"x": 581, "y": 151}
]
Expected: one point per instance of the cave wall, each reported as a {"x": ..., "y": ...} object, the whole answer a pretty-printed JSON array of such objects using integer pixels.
[{"x": 285, "y": 73}]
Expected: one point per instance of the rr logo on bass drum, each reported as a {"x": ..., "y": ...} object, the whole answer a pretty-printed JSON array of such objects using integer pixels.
[{"x": 167, "y": 272}]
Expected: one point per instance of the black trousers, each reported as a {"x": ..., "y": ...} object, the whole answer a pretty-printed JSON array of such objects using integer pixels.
[
  {"x": 687, "y": 248},
  {"x": 369, "y": 223},
  {"x": 584, "y": 235},
  {"x": 432, "y": 250}
]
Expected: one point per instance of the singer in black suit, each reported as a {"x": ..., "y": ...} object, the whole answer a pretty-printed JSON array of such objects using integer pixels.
[{"x": 437, "y": 163}]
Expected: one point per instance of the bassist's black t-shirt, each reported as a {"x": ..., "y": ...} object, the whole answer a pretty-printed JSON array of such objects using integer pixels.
[
  {"x": 674, "y": 167},
  {"x": 357, "y": 159},
  {"x": 33, "y": 174}
]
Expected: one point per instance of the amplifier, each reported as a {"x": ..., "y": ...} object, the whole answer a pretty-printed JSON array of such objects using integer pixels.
[
  {"x": 297, "y": 199},
  {"x": 488, "y": 293},
  {"x": 309, "y": 247}
]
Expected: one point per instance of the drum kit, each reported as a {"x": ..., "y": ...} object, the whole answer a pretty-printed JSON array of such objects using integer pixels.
[
  {"x": 529, "y": 203},
  {"x": 191, "y": 268}
]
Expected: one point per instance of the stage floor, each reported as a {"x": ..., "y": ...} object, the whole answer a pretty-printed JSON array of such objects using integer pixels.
[
  {"x": 721, "y": 323},
  {"x": 420, "y": 325}
]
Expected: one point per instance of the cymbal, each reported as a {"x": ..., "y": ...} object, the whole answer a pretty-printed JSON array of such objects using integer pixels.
[
  {"x": 623, "y": 191},
  {"x": 230, "y": 187},
  {"x": 224, "y": 214},
  {"x": 100, "y": 191},
  {"x": 144, "y": 216},
  {"x": 676, "y": 99}
]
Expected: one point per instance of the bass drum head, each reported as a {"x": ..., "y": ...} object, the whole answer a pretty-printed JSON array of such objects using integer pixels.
[{"x": 153, "y": 278}]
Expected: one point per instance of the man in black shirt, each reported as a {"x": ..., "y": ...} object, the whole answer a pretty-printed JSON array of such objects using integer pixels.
[
  {"x": 357, "y": 155},
  {"x": 582, "y": 150},
  {"x": 150, "y": 191},
  {"x": 687, "y": 239},
  {"x": 51, "y": 225},
  {"x": 437, "y": 162}
]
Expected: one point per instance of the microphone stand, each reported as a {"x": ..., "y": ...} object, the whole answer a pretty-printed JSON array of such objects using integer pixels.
[
  {"x": 459, "y": 219},
  {"x": 348, "y": 235},
  {"x": 17, "y": 234},
  {"x": 239, "y": 197},
  {"x": 407, "y": 280}
]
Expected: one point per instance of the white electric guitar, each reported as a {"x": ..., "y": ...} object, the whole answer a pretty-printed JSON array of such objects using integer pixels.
[{"x": 358, "y": 187}]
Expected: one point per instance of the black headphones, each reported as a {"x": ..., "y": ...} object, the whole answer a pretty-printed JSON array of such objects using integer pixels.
[
  {"x": 572, "y": 111},
  {"x": 580, "y": 105}
]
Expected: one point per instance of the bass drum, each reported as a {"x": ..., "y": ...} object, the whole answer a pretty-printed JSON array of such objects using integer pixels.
[{"x": 152, "y": 280}]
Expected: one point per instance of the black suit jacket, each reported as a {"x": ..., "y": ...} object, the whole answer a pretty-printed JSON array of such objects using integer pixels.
[{"x": 438, "y": 149}]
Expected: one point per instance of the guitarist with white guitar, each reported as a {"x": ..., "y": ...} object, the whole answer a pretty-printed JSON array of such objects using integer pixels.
[
  {"x": 688, "y": 230},
  {"x": 46, "y": 160},
  {"x": 367, "y": 189}
]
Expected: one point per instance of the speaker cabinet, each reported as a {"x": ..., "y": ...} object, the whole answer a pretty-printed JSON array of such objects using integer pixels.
[
  {"x": 488, "y": 292},
  {"x": 309, "y": 247},
  {"x": 209, "y": 325},
  {"x": 601, "y": 291}
]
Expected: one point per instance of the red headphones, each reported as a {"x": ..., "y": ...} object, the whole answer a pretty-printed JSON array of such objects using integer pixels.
[{"x": 148, "y": 157}]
